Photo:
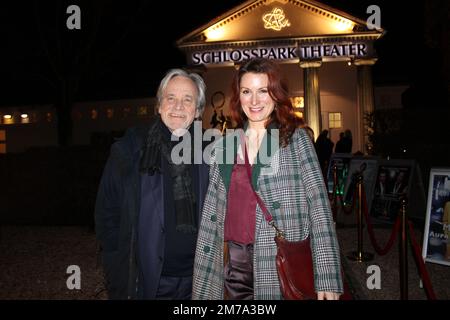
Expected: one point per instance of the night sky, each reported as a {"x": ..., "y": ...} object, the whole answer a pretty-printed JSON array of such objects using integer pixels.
[{"x": 124, "y": 47}]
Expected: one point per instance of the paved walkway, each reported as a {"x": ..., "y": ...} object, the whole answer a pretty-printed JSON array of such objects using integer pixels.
[
  {"x": 34, "y": 262},
  {"x": 360, "y": 272}
]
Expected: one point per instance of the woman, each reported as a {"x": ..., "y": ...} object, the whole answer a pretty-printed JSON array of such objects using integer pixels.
[{"x": 235, "y": 255}]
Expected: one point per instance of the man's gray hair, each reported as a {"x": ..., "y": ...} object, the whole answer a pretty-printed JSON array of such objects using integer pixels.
[{"x": 197, "y": 79}]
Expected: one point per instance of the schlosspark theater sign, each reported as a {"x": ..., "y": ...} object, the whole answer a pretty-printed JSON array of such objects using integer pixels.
[{"x": 324, "y": 51}]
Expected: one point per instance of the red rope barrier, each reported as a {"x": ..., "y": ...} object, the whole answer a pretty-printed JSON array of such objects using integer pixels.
[
  {"x": 395, "y": 229},
  {"x": 382, "y": 251},
  {"x": 420, "y": 264}
]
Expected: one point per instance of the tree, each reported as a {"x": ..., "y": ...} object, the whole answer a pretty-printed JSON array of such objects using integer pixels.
[{"x": 77, "y": 58}]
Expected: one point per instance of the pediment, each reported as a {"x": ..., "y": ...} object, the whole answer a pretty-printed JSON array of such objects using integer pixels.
[{"x": 277, "y": 19}]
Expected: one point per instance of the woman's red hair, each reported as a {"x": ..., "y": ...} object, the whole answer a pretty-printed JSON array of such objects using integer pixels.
[{"x": 283, "y": 114}]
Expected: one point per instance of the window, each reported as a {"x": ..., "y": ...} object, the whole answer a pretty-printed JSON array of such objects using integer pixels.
[
  {"x": 126, "y": 112},
  {"x": 109, "y": 113},
  {"x": 2, "y": 141},
  {"x": 94, "y": 114},
  {"x": 8, "y": 119},
  {"x": 298, "y": 103},
  {"x": 24, "y": 118},
  {"x": 142, "y": 111},
  {"x": 334, "y": 120}
]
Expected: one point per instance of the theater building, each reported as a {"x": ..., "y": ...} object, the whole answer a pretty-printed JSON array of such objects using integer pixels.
[{"x": 326, "y": 56}]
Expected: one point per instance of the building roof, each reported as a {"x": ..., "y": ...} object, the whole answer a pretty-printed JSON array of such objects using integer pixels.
[{"x": 278, "y": 20}]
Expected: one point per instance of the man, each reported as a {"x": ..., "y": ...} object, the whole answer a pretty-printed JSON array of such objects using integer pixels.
[
  {"x": 148, "y": 203},
  {"x": 381, "y": 204},
  {"x": 340, "y": 145},
  {"x": 401, "y": 185},
  {"x": 324, "y": 149},
  {"x": 380, "y": 187}
]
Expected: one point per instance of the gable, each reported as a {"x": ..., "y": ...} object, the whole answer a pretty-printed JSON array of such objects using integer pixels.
[{"x": 276, "y": 19}]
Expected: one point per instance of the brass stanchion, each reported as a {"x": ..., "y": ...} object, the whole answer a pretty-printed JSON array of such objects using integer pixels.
[
  {"x": 359, "y": 255},
  {"x": 403, "y": 253}
]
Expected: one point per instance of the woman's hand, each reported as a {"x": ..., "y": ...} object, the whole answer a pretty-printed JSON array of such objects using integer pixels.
[{"x": 324, "y": 295}]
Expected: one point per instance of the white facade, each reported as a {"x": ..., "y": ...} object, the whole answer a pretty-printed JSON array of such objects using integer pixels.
[{"x": 336, "y": 95}]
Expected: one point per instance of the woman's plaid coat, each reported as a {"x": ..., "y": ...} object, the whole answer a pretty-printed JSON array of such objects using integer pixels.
[{"x": 294, "y": 192}]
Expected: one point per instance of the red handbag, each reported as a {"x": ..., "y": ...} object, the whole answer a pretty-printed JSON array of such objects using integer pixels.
[{"x": 295, "y": 269}]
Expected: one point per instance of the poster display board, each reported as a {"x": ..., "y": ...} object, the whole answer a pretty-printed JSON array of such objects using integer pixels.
[
  {"x": 393, "y": 181},
  {"x": 436, "y": 244}
]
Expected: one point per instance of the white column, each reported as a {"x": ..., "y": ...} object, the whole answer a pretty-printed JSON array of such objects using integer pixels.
[
  {"x": 312, "y": 114},
  {"x": 365, "y": 99}
]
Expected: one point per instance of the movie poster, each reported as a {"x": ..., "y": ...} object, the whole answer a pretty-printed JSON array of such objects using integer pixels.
[
  {"x": 392, "y": 183},
  {"x": 436, "y": 246}
]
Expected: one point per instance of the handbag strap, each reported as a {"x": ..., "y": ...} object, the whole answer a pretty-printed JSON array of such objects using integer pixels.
[{"x": 260, "y": 202}]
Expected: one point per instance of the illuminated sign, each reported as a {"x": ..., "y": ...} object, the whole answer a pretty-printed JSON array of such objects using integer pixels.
[
  {"x": 238, "y": 55},
  {"x": 275, "y": 20},
  {"x": 317, "y": 51},
  {"x": 310, "y": 51}
]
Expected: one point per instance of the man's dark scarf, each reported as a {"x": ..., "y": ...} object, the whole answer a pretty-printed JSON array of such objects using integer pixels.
[{"x": 159, "y": 146}]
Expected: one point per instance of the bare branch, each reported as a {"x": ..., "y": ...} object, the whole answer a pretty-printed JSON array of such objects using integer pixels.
[{"x": 44, "y": 43}]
